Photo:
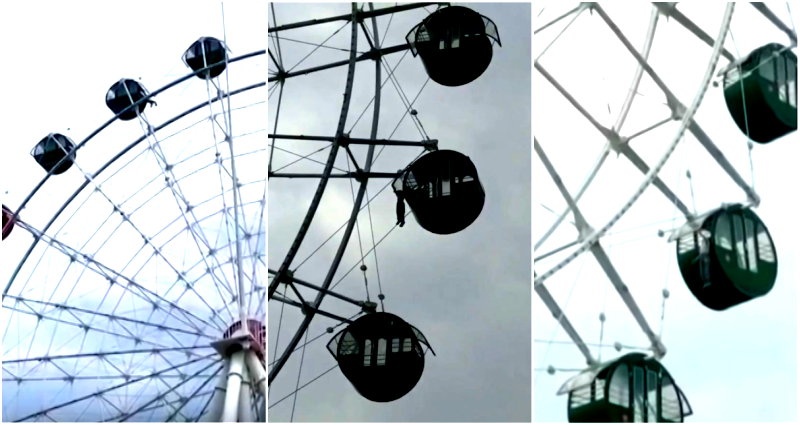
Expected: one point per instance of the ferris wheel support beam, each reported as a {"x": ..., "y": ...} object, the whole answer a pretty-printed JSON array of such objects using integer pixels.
[
  {"x": 670, "y": 10},
  {"x": 358, "y": 16},
  {"x": 315, "y": 287},
  {"x": 617, "y": 143},
  {"x": 312, "y": 209},
  {"x": 679, "y": 110},
  {"x": 230, "y": 407},
  {"x": 356, "y": 141},
  {"x": 257, "y": 372},
  {"x": 623, "y": 115},
  {"x": 356, "y": 202},
  {"x": 601, "y": 257},
  {"x": 761, "y": 7},
  {"x": 351, "y": 175},
  {"x": 306, "y": 308},
  {"x": 364, "y": 56},
  {"x": 592, "y": 239},
  {"x": 562, "y": 320}
]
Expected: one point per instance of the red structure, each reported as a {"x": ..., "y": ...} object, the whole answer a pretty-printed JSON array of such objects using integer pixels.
[
  {"x": 8, "y": 221},
  {"x": 258, "y": 336}
]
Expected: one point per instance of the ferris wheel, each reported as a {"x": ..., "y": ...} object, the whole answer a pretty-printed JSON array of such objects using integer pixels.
[
  {"x": 133, "y": 238},
  {"x": 356, "y": 247},
  {"x": 686, "y": 106}
]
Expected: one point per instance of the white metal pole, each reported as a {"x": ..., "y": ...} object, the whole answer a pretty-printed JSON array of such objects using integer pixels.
[
  {"x": 215, "y": 411},
  {"x": 258, "y": 376},
  {"x": 245, "y": 395},
  {"x": 231, "y": 406}
]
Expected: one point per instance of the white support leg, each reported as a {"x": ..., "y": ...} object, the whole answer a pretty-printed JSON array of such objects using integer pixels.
[
  {"x": 258, "y": 376},
  {"x": 218, "y": 398},
  {"x": 245, "y": 396},
  {"x": 231, "y": 405}
]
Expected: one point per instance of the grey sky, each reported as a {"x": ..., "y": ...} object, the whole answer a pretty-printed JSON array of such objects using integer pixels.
[
  {"x": 68, "y": 55},
  {"x": 736, "y": 365},
  {"x": 469, "y": 293}
]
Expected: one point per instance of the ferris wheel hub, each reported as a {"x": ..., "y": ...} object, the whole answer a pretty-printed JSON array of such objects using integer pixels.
[{"x": 235, "y": 339}]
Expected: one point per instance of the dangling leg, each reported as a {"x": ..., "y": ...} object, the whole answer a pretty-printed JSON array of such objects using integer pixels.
[{"x": 401, "y": 210}]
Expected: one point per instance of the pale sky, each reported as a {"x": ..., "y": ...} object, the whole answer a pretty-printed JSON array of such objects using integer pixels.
[
  {"x": 67, "y": 56},
  {"x": 469, "y": 293},
  {"x": 736, "y": 365}
]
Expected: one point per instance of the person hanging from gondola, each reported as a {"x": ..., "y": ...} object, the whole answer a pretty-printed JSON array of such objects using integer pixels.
[{"x": 401, "y": 209}]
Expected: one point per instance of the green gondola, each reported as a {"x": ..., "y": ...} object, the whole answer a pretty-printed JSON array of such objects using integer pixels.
[
  {"x": 761, "y": 93},
  {"x": 633, "y": 388},
  {"x": 730, "y": 260}
]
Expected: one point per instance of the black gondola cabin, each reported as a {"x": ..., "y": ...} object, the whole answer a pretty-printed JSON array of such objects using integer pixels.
[
  {"x": 125, "y": 93},
  {"x": 381, "y": 355},
  {"x": 52, "y": 149},
  {"x": 633, "y": 388},
  {"x": 205, "y": 52},
  {"x": 443, "y": 191},
  {"x": 455, "y": 44},
  {"x": 731, "y": 259},
  {"x": 761, "y": 93},
  {"x": 8, "y": 221}
]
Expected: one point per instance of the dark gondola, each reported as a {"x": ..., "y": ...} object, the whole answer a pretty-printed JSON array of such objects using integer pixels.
[
  {"x": 125, "y": 93},
  {"x": 731, "y": 259},
  {"x": 633, "y": 388},
  {"x": 455, "y": 44},
  {"x": 381, "y": 355},
  {"x": 8, "y": 221},
  {"x": 761, "y": 93},
  {"x": 52, "y": 149},
  {"x": 205, "y": 52},
  {"x": 443, "y": 191}
]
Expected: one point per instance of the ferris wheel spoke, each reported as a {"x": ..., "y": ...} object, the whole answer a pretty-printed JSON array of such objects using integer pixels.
[
  {"x": 671, "y": 10},
  {"x": 182, "y": 202},
  {"x": 111, "y": 317},
  {"x": 274, "y": 60},
  {"x": 770, "y": 15},
  {"x": 196, "y": 394},
  {"x": 112, "y": 388},
  {"x": 227, "y": 132},
  {"x": 300, "y": 158},
  {"x": 112, "y": 275},
  {"x": 366, "y": 56},
  {"x": 125, "y": 417},
  {"x": 633, "y": 89}
]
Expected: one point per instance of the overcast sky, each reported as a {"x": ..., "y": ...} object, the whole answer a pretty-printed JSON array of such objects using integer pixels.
[
  {"x": 736, "y": 365},
  {"x": 469, "y": 293},
  {"x": 66, "y": 58}
]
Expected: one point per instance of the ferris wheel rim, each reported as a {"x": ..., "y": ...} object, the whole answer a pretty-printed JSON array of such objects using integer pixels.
[
  {"x": 622, "y": 117},
  {"x": 653, "y": 173},
  {"x": 277, "y": 277},
  {"x": 119, "y": 154},
  {"x": 114, "y": 158}
]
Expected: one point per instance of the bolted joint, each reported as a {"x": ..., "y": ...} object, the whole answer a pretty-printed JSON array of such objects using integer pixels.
[
  {"x": 369, "y": 306},
  {"x": 431, "y": 145},
  {"x": 359, "y": 175},
  {"x": 343, "y": 140},
  {"x": 281, "y": 75},
  {"x": 373, "y": 54},
  {"x": 287, "y": 277}
]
